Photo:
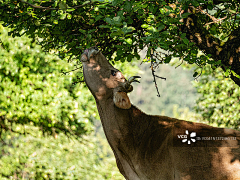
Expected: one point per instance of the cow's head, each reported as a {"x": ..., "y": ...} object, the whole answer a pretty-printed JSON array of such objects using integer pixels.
[{"x": 105, "y": 81}]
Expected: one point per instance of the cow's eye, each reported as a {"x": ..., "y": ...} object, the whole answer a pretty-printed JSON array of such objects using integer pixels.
[{"x": 113, "y": 72}]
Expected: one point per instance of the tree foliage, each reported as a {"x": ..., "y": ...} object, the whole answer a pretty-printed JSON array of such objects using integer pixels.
[
  {"x": 33, "y": 91},
  {"x": 180, "y": 27},
  {"x": 219, "y": 99},
  {"x": 37, "y": 157}
]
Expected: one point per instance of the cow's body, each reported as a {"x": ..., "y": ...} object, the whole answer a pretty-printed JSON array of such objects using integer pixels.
[{"x": 147, "y": 147}]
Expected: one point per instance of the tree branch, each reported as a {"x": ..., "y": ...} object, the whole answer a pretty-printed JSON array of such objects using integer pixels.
[
  {"x": 198, "y": 34},
  {"x": 154, "y": 76},
  {"x": 229, "y": 53},
  {"x": 215, "y": 20}
]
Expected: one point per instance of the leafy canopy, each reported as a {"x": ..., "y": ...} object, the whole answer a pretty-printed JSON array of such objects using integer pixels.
[
  {"x": 123, "y": 27},
  {"x": 34, "y": 92}
]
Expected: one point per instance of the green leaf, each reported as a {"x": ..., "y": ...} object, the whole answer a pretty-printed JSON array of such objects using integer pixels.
[
  {"x": 62, "y": 6},
  {"x": 232, "y": 11},
  {"x": 140, "y": 11},
  {"x": 185, "y": 40},
  {"x": 55, "y": 21},
  {"x": 195, "y": 3},
  {"x": 163, "y": 3},
  {"x": 128, "y": 40},
  {"x": 161, "y": 27},
  {"x": 213, "y": 30},
  {"x": 168, "y": 59},
  {"x": 227, "y": 72},
  {"x": 185, "y": 15},
  {"x": 163, "y": 11},
  {"x": 144, "y": 25},
  {"x": 117, "y": 18},
  {"x": 117, "y": 33},
  {"x": 210, "y": 6},
  {"x": 53, "y": 13},
  {"x": 98, "y": 17},
  {"x": 108, "y": 20},
  {"x": 128, "y": 6},
  {"x": 183, "y": 35},
  {"x": 82, "y": 31},
  {"x": 37, "y": 23},
  {"x": 127, "y": 29},
  {"x": 70, "y": 10},
  {"x": 104, "y": 26},
  {"x": 69, "y": 16},
  {"x": 218, "y": 62},
  {"x": 151, "y": 28},
  {"x": 129, "y": 58},
  {"x": 63, "y": 16},
  {"x": 119, "y": 52}
]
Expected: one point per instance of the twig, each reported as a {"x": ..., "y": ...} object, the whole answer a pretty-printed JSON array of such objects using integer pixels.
[
  {"x": 65, "y": 73},
  {"x": 182, "y": 61},
  {"x": 153, "y": 73},
  {"x": 179, "y": 64},
  {"x": 154, "y": 79},
  {"x": 215, "y": 20},
  {"x": 196, "y": 78},
  {"x": 161, "y": 77},
  {"x": 80, "y": 81}
]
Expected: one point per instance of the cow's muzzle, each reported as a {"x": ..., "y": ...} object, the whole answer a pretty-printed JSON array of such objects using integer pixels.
[
  {"x": 84, "y": 56},
  {"x": 88, "y": 53}
]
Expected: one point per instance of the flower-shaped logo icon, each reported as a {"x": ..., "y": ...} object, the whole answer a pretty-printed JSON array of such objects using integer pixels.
[{"x": 192, "y": 137}]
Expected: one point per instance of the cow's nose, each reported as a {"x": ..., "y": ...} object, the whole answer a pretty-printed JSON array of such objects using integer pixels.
[{"x": 84, "y": 56}]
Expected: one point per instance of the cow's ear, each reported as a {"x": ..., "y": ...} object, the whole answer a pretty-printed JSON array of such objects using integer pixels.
[{"x": 121, "y": 100}]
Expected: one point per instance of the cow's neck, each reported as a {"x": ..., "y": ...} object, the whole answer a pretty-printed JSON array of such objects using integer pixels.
[
  {"x": 129, "y": 132},
  {"x": 120, "y": 126}
]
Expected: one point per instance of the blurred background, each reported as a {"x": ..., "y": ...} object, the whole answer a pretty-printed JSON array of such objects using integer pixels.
[{"x": 50, "y": 128}]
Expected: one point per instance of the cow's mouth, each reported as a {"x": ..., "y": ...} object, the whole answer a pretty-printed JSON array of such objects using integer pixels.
[
  {"x": 88, "y": 52},
  {"x": 84, "y": 56}
]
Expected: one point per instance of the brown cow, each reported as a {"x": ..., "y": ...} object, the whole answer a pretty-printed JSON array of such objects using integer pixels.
[{"x": 156, "y": 147}]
